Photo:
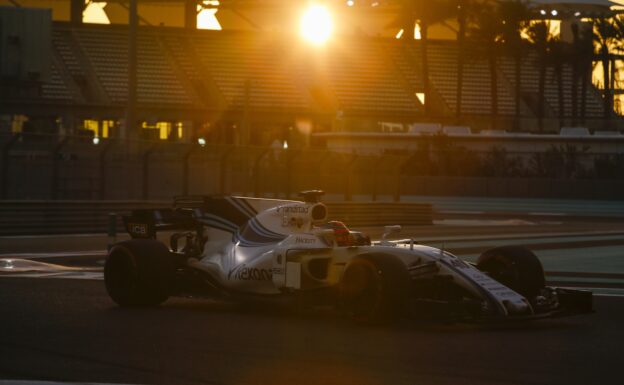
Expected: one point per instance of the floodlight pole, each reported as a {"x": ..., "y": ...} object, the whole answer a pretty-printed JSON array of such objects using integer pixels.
[
  {"x": 190, "y": 14},
  {"x": 131, "y": 121},
  {"x": 76, "y": 8},
  {"x": 245, "y": 129}
]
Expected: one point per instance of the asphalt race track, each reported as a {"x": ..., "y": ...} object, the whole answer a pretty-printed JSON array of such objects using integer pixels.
[{"x": 68, "y": 330}]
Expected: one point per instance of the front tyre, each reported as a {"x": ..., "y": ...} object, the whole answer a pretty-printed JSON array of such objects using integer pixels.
[
  {"x": 373, "y": 288},
  {"x": 138, "y": 272},
  {"x": 515, "y": 267}
]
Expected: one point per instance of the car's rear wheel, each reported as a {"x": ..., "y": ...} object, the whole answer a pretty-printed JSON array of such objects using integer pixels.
[
  {"x": 138, "y": 272},
  {"x": 373, "y": 288},
  {"x": 515, "y": 267}
]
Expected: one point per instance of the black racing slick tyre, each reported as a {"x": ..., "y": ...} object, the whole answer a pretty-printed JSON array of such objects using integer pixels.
[
  {"x": 373, "y": 289},
  {"x": 515, "y": 267},
  {"x": 138, "y": 272}
]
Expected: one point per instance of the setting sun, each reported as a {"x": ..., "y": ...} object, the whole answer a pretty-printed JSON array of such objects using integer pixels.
[
  {"x": 206, "y": 17},
  {"x": 316, "y": 24},
  {"x": 94, "y": 13}
]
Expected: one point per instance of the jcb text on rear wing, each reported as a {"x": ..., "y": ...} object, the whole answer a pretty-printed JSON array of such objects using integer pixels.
[{"x": 145, "y": 223}]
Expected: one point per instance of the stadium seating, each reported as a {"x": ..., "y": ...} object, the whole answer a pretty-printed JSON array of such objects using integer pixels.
[
  {"x": 245, "y": 65},
  {"x": 364, "y": 80},
  {"x": 366, "y": 76},
  {"x": 56, "y": 88},
  {"x": 107, "y": 52},
  {"x": 62, "y": 45},
  {"x": 530, "y": 84},
  {"x": 442, "y": 59}
]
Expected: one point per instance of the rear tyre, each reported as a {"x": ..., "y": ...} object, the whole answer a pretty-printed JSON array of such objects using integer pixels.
[
  {"x": 515, "y": 267},
  {"x": 138, "y": 272},
  {"x": 373, "y": 288}
]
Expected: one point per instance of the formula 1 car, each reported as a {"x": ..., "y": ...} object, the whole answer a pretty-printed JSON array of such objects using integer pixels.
[{"x": 241, "y": 248}]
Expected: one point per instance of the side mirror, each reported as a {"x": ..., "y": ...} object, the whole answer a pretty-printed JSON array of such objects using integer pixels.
[{"x": 389, "y": 230}]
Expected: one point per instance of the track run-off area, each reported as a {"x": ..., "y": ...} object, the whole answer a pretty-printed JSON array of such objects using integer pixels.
[{"x": 67, "y": 329}]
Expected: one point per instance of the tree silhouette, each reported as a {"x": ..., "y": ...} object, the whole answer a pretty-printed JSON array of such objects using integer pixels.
[
  {"x": 608, "y": 35},
  {"x": 462, "y": 16},
  {"x": 539, "y": 35},
  {"x": 425, "y": 14},
  {"x": 515, "y": 16},
  {"x": 585, "y": 51},
  {"x": 556, "y": 56},
  {"x": 486, "y": 34}
]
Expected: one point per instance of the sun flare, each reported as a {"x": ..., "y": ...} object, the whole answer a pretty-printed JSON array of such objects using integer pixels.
[{"x": 316, "y": 24}]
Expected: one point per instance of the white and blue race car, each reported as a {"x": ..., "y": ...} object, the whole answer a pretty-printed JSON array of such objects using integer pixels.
[{"x": 240, "y": 248}]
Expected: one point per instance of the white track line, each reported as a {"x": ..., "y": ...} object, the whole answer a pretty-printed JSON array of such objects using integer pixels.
[
  {"x": 606, "y": 294},
  {"x": 88, "y": 253},
  {"x": 103, "y": 235},
  {"x": 28, "y": 382},
  {"x": 87, "y": 276}
]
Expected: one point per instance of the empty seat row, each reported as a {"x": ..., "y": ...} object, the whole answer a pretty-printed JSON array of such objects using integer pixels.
[{"x": 364, "y": 74}]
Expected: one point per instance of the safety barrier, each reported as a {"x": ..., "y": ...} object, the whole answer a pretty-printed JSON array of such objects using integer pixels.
[
  {"x": 76, "y": 217},
  {"x": 381, "y": 213},
  {"x": 74, "y": 168},
  {"x": 605, "y": 209}
]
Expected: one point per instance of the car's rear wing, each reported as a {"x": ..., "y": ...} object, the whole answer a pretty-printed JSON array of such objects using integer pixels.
[
  {"x": 191, "y": 212},
  {"x": 145, "y": 223},
  {"x": 193, "y": 201}
]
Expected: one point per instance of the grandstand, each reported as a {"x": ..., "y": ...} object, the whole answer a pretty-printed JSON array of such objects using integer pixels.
[{"x": 208, "y": 82}]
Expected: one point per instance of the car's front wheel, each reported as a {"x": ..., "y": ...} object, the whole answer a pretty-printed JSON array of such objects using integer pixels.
[
  {"x": 515, "y": 267},
  {"x": 138, "y": 272}
]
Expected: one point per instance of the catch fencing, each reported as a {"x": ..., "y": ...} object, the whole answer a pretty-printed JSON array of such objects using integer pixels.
[
  {"x": 74, "y": 168},
  {"x": 74, "y": 217}
]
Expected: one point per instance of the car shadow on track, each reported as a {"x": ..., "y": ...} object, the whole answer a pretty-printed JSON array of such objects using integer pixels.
[{"x": 202, "y": 310}]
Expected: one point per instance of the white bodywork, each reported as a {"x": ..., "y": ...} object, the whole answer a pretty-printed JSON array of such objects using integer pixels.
[{"x": 270, "y": 249}]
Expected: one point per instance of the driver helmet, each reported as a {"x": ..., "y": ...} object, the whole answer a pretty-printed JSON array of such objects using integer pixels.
[{"x": 341, "y": 232}]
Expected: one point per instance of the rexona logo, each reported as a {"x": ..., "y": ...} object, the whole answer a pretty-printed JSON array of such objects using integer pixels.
[
  {"x": 293, "y": 209},
  {"x": 245, "y": 273}
]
